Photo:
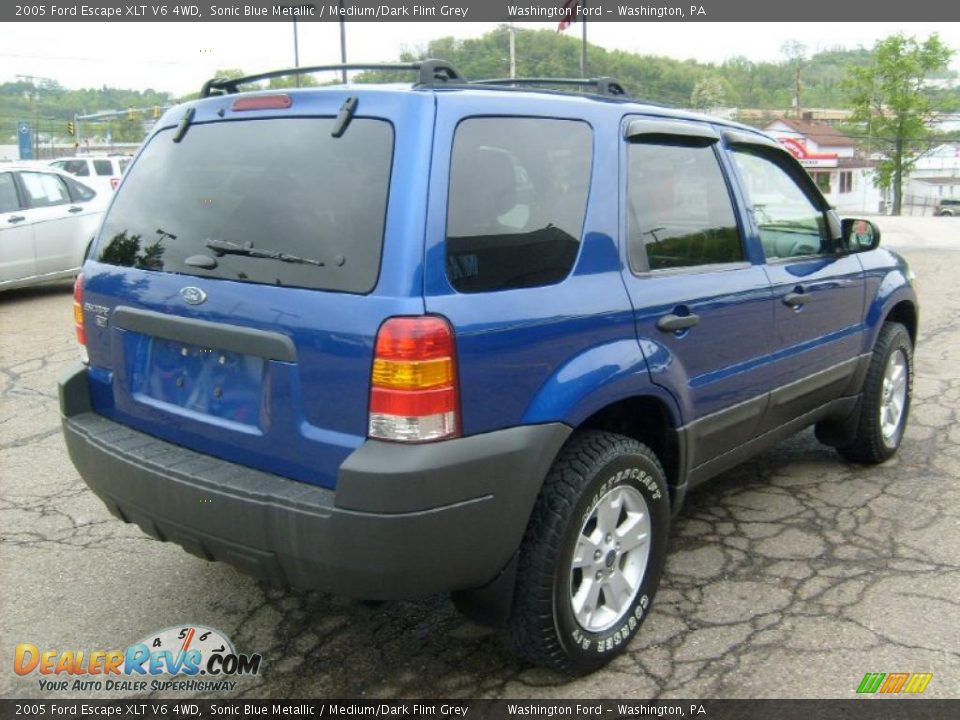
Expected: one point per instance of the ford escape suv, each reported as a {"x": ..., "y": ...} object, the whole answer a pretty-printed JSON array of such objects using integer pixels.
[{"x": 394, "y": 340}]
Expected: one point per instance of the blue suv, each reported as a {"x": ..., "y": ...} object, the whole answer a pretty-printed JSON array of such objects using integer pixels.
[{"x": 477, "y": 338}]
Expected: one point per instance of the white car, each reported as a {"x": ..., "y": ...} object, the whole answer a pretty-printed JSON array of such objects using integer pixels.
[
  {"x": 47, "y": 220},
  {"x": 101, "y": 172}
]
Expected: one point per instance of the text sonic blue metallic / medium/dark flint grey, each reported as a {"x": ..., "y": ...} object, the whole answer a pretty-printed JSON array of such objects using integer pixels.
[{"x": 472, "y": 338}]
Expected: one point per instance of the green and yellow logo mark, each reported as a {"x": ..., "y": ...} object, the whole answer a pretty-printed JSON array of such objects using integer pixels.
[{"x": 893, "y": 683}]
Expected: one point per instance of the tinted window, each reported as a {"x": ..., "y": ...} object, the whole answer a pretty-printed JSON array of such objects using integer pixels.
[
  {"x": 518, "y": 195},
  {"x": 790, "y": 225},
  {"x": 103, "y": 167},
  {"x": 679, "y": 212},
  {"x": 78, "y": 191},
  {"x": 8, "y": 193},
  {"x": 263, "y": 187},
  {"x": 44, "y": 189},
  {"x": 74, "y": 167},
  {"x": 123, "y": 165}
]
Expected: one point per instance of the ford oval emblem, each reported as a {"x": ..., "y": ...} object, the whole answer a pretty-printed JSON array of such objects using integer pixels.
[{"x": 193, "y": 295}]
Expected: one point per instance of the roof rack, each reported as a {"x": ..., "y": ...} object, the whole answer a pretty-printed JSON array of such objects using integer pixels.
[
  {"x": 602, "y": 85},
  {"x": 431, "y": 73}
]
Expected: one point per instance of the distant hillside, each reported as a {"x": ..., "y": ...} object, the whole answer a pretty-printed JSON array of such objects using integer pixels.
[
  {"x": 56, "y": 106},
  {"x": 737, "y": 82}
]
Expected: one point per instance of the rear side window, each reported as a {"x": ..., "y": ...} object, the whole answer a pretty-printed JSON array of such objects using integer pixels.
[
  {"x": 78, "y": 191},
  {"x": 518, "y": 196},
  {"x": 277, "y": 201},
  {"x": 123, "y": 165},
  {"x": 8, "y": 193},
  {"x": 103, "y": 167},
  {"x": 678, "y": 209}
]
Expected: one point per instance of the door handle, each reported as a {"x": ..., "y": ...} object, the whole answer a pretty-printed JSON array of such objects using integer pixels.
[
  {"x": 796, "y": 299},
  {"x": 74, "y": 209},
  {"x": 672, "y": 323},
  {"x": 15, "y": 219}
]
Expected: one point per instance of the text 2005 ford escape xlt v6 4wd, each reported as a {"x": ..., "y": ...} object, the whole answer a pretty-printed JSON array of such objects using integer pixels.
[{"x": 468, "y": 338}]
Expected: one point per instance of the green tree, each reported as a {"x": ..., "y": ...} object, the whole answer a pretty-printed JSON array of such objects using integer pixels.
[
  {"x": 708, "y": 93},
  {"x": 891, "y": 95}
]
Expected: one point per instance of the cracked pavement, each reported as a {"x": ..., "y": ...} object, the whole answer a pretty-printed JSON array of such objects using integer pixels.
[{"x": 789, "y": 576}]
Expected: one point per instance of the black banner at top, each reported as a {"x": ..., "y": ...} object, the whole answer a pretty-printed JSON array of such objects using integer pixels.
[{"x": 479, "y": 11}]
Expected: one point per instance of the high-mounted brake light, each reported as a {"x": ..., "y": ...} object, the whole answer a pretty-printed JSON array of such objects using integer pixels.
[
  {"x": 78, "y": 317},
  {"x": 414, "y": 393},
  {"x": 263, "y": 102}
]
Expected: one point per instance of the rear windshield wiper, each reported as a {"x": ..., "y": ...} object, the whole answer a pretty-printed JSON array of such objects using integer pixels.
[{"x": 226, "y": 247}]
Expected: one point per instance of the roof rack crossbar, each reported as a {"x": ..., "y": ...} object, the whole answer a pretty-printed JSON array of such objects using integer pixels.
[
  {"x": 431, "y": 72},
  {"x": 603, "y": 85}
]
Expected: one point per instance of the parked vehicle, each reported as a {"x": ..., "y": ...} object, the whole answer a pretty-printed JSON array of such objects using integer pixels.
[
  {"x": 468, "y": 338},
  {"x": 948, "y": 207},
  {"x": 102, "y": 172},
  {"x": 47, "y": 221}
]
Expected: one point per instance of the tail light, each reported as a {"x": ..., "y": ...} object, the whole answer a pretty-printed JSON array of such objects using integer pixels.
[
  {"x": 414, "y": 394},
  {"x": 78, "y": 317},
  {"x": 114, "y": 181}
]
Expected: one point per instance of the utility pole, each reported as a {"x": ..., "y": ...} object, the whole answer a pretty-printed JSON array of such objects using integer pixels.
[
  {"x": 795, "y": 53},
  {"x": 343, "y": 42},
  {"x": 797, "y": 81},
  {"x": 296, "y": 51},
  {"x": 583, "y": 44},
  {"x": 513, "y": 51}
]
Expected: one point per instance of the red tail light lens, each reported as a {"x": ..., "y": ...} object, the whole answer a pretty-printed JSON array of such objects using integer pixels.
[
  {"x": 414, "y": 394},
  {"x": 78, "y": 317},
  {"x": 114, "y": 181}
]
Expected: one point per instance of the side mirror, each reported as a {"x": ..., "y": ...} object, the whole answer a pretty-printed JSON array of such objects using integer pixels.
[{"x": 859, "y": 235}]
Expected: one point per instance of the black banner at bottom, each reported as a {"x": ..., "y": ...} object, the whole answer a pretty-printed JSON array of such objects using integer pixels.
[{"x": 875, "y": 708}]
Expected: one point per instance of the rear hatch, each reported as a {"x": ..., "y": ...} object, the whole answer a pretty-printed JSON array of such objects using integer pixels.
[{"x": 235, "y": 292}]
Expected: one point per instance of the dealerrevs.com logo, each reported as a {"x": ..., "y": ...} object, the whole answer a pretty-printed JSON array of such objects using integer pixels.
[{"x": 183, "y": 652}]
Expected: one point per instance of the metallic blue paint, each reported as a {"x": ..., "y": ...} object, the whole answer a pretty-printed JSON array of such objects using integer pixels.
[{"x": 537, "y": 355}]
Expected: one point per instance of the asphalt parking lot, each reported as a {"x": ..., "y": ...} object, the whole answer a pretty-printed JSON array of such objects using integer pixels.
[{"x": 790, "y": 576}]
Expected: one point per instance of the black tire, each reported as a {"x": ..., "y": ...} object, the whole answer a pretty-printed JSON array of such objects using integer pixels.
[
  {"x": 543, "y": 627},
  {"x": 871, "y": 445}
]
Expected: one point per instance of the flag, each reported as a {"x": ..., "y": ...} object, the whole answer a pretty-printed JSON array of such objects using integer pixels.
[{"x": 571, "y": 9}]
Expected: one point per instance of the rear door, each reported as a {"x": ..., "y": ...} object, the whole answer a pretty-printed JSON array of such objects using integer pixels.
[
  {"x": 818, "y": 289},
  {"x": 106, "y": 170},
  {"x": 59, "y": 223},
  {"x": 702, "y": 308},
  {"x": 17, "y": 257}
]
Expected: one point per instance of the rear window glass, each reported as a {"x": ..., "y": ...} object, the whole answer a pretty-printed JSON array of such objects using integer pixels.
[
  {"x": 103, "y": 167},
  {"x": 518, "y": 195},
  {"x": 679, "y": 209},
  {"x": 74, "y": 167},
  {"x": 275, "y": 201}
]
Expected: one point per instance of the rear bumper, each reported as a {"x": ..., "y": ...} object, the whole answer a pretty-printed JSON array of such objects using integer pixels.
[{"x": 404, "y": 521}]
